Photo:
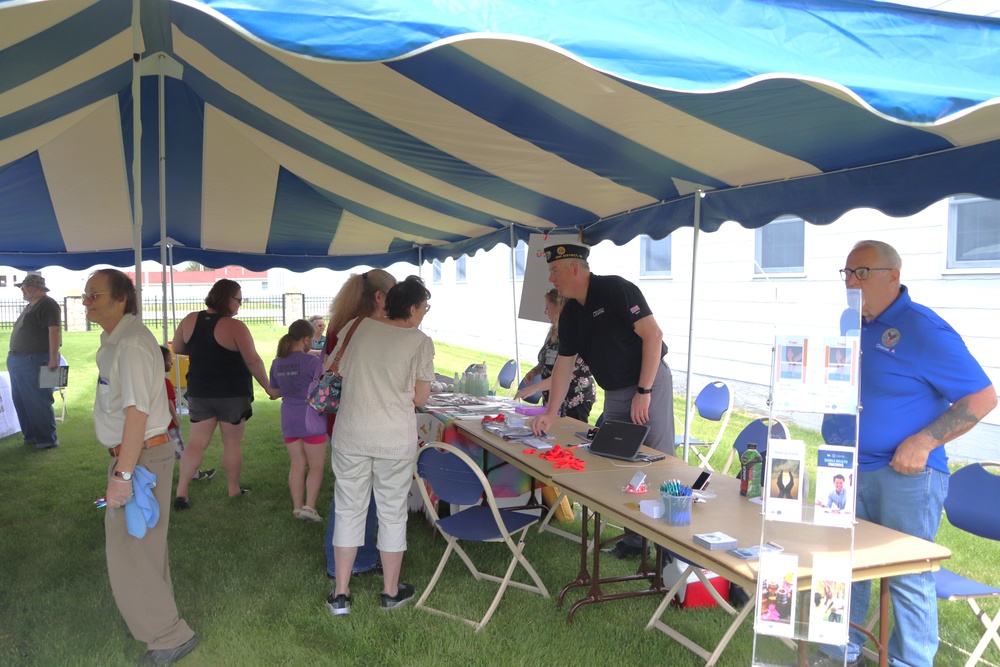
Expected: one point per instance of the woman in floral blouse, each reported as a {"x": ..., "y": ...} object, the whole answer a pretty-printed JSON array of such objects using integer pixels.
[{"x": 581, "y": 396}]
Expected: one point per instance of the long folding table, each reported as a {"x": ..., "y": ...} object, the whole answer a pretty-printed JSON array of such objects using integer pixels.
[{"x": 878, "y": 553}]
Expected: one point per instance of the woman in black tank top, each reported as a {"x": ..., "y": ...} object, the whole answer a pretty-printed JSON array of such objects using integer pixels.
[{"x": 220, "y": 384}]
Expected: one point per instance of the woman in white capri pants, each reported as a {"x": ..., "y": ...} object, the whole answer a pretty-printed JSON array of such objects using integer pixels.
[{"x": 387, "y": 369}]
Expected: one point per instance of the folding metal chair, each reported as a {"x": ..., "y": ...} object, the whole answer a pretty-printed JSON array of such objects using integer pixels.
[
  {"x": 969, "y": 508},
  {"x": 713, "y": 403},
  {"x": 506, "y": 376},
  {"x": 455, "y": 478},
  {"x": 533, "y": 398},
  {"x": 756, "y": 431}
]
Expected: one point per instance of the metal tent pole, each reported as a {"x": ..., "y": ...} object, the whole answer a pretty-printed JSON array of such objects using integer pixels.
[
  {"x": 513, "y": 297},
  {"x": 137, "y": 151},
  {"x": 694, "y": 267},
  {"x": 163, "y": 197}
]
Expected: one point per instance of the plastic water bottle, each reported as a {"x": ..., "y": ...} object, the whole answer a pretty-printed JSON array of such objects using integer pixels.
[{"x": 751, "y": 465}]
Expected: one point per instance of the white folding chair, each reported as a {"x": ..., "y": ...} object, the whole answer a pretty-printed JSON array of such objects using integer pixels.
[{"x": 713, "y": 403}]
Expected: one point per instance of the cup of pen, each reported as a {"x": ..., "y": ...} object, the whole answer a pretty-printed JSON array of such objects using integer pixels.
[{"x": 676, "y": 504}]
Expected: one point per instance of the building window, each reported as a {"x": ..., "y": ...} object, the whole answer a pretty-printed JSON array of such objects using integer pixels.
[
  {"x": 654, "y": 257},
  {"x": 3, "y": 281},
  {"x": 460, "y": 269},
  {"x": 520, "y": 254},
  {"x": 780, "y": 246},
  {"x": 436, "y": 276},
  {"x": 973, "y": 233}
]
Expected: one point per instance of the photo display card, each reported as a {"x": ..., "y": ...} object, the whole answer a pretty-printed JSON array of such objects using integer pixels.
[
  {"x": 840, "y": 374},
  {"x": 794, "y": 388},
  {"x": 777, "y": 585},
  {"x": 835, "y": 485},
  {"x": 784, "y": 477},
  {"x": 830, "y": 601}
]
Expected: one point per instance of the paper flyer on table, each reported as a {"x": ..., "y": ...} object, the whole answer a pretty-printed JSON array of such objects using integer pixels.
[
  {"x": 830, "y": 600},
  {"x": 784, "y": 491},
  {"x": 835, "y": 485},
  {"x": 777, "y": 584}
]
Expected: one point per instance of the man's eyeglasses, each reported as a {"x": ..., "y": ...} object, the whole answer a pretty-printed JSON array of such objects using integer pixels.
[
  {"x": 238, "y": 299},
  {"x": 427, "y": 308},
  {"x": 90, "y": 296},
  {"x": 861, "y": 273}
]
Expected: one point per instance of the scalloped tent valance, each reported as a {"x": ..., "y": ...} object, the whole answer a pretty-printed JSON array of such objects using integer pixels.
[{"x": 302, "y": 134}]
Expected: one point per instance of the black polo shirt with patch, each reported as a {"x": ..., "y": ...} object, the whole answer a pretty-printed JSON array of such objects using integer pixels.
[{"x": 602, "y": 331}]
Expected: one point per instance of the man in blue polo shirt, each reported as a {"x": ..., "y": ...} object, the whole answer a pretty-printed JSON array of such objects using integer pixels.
[
  {"x": 920, "y": 388},
  {"x": 607, "y": 322}
]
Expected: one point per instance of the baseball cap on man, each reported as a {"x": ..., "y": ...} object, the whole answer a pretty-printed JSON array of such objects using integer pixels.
[
  {"x": 33, "y": 280},
  {"x": 566, "y": 251}
]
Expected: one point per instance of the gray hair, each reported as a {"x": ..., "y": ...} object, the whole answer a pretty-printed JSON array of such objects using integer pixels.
[{"x": 885, "y": 252}]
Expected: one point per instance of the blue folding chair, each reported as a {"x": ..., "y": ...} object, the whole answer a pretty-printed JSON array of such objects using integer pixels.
[
  {"x": 713, "y": 403},
  {"x": 969, "y": 508},
  {"x": 756, "y": 431},
  {"x": 456, "y": 479},
  {"x": 506, "y": 376},
  {"x": 537, "y": 396}
]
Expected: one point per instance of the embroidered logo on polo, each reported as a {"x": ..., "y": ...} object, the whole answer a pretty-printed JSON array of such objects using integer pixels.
[
  {"x": 890, "y": 338},
  {"x": 598, "y": 312}
]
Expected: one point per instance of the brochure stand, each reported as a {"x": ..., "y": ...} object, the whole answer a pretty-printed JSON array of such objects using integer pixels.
[{"x": 804, "y": 586}]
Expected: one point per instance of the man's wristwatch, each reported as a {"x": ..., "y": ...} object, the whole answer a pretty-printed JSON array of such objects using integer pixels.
[
  {"x": 124, "y": 474},
  {"x": 643, "y": 390}
]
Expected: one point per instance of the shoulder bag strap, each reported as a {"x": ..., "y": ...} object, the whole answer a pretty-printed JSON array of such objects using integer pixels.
[{"x": 335, "y": 366}]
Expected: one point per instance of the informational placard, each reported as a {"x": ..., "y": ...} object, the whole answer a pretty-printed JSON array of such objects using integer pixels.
[
  {"x": 816, "y": 375},
  {"x": 536, "y": 276},
  {"x": 830, "y": 599},
  {"x": 777, "y": 585},
  {"x": 835, "y": 485},
  {"x": 785, "y": 480}
]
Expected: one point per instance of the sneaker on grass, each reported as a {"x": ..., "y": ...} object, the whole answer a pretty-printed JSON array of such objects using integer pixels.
[
  {"x": 403, "y": 594},
  {"x": 339, "y": 605}
]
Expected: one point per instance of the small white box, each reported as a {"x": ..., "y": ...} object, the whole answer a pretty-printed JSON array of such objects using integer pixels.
[{"x": 653, "y": 508}]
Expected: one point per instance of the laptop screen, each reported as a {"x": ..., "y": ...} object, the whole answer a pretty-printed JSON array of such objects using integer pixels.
[{"x": 619, "y": 440}]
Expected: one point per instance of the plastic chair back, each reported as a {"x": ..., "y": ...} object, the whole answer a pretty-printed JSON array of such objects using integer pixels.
[
  {"x": 755, "y": 431},
  {"x": 537, "y": 396},
  {"x": 713, "y": 401},
  {"x": 967, "y": 503},
  {"x": 507, "y": 374},
  {"x": 451, "y": 478}
]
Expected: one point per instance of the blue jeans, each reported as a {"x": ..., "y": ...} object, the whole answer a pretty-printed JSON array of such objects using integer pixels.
[
  {"x": 911, "y": 504},
  {"x": 367, "y": 553},
  {"x": 32, "y": 404}
]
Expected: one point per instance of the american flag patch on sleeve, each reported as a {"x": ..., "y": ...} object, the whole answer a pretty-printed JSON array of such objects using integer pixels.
[{"x": 634, "y": 310}]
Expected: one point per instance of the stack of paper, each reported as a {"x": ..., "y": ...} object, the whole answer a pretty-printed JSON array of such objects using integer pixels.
[{"x": 715, "y": 541}]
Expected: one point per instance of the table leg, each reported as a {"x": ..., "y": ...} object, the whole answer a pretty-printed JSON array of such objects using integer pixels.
[
  {"x": 583, "y": 576},
  {"x": 883, "y": 623},
  {"x": 595, "y": 594}
]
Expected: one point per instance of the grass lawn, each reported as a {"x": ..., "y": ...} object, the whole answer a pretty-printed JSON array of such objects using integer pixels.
[{"x": 250, "y": 579}]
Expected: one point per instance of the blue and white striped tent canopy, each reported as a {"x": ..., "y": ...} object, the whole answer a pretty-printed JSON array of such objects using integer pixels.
[{"x": 302, "y": 133}]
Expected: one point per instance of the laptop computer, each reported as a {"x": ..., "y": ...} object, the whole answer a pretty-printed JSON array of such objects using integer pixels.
[{"x": 619, "y": 440}]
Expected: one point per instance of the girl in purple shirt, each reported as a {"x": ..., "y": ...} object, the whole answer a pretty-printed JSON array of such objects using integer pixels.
[{"x": 304, "y": 429}]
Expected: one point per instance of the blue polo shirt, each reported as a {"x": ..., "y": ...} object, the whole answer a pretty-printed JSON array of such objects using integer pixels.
[{"x": 913, "y": 367}]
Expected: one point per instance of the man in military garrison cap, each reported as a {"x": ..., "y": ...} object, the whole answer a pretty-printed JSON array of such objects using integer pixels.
[{"x": 608, "y": 323}]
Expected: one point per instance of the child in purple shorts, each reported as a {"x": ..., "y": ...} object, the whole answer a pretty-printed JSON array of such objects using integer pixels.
[{"x": 292, "y": 373}]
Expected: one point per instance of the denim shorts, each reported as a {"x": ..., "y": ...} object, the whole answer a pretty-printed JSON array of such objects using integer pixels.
[{"x": 231, "y": 409}]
